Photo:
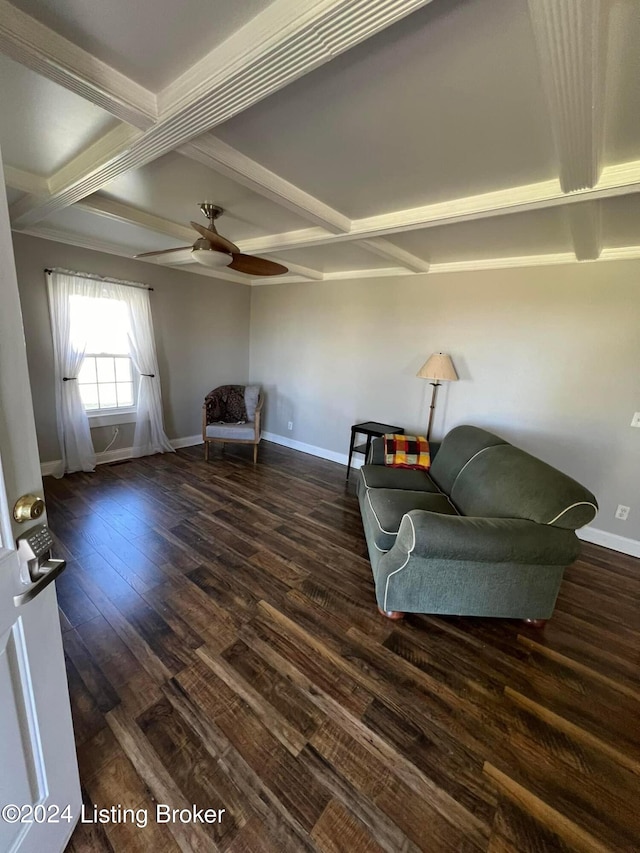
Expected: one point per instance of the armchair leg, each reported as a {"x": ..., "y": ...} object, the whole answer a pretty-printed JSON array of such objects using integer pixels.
[
  {"x": 255, "y": 453},
  {"x": 535, "y": 623},
  {"x": 394, "y": 615},
  {"x": 206, "y": 450}
]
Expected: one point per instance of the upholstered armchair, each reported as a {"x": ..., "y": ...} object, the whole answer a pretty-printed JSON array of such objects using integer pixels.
[{"x": 223, "y": 419}]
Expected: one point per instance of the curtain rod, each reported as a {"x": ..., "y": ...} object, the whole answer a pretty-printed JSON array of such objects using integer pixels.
[{"x": 99, "y": 278}]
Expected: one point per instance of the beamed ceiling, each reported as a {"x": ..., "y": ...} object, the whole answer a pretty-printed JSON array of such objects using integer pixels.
[{"x": 343, "y": 138}]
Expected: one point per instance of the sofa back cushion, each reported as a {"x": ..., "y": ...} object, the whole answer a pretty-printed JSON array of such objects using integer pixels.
[
  {"x": 503, "y": 481},
  {"x": 457, "y": 448}
]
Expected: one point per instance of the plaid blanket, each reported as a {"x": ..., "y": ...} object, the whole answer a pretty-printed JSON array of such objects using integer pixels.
[
  {"x": 406, "y": 451},
  {"x": 225, "y": 405}
]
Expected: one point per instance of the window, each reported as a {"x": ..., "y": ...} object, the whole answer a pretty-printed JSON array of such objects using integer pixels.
[
  {"x": 106, "y": 378},
  {"x": 106, "y": 382}
]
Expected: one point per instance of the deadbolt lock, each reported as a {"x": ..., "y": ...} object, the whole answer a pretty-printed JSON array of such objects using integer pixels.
[{"x": 27, "y": 508}]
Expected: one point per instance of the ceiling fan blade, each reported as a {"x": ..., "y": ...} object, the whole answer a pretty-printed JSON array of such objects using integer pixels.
[
  {"x": 220, "y": 244},
  {"x": 251, "y": 265},
  {"x": 162, "y": 252}
]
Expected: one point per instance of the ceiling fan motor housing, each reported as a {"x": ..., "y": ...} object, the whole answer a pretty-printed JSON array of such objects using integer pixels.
[{"x": 211, "y": 211}]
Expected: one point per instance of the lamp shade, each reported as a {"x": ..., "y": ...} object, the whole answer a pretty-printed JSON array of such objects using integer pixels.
[{"x": 439, "y": 367}]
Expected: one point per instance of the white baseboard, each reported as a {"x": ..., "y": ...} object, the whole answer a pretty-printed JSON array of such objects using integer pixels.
[
  {"x": 123, "y": 453},
  {"x": 187, "y": 441},
  {"x": 312, "y": 450},
  {"x": 588, "y": 534},
  {"x": 610, "y": 540}
]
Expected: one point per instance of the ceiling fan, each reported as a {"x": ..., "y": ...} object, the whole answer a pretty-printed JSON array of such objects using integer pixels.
[{"x": 214, "y": 251}]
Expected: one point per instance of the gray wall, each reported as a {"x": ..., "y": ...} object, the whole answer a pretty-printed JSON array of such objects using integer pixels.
[
  {"x": 201, "y": 328},
  {"x": 548, "y": 357}
]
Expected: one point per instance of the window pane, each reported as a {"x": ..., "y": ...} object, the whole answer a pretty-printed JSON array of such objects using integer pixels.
[
  {"x": 89, "y": 395},
  {"x": 87, "y": 371},
  {"x": 125, "y": 393},
  {"x": 106, "y": 372},
  {"x": 123, "y": 369},
  {"x": 108, "y": 397},
  {"x": 99, "y": 324}
]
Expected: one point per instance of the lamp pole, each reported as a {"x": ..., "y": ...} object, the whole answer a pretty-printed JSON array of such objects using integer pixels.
[{"x": 434, "y": 393}]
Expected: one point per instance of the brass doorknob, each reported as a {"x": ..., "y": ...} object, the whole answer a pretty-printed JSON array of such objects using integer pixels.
[{"x": 27, "y": 508}]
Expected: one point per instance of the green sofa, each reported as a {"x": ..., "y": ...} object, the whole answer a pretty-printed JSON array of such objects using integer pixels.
[{"x": 487, "y": 532}]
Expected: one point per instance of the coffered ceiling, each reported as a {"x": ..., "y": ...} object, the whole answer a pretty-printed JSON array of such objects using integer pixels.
[{"x": 342, "y": 138}]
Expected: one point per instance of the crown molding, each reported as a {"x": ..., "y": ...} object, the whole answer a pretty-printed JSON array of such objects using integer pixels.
[
  {"x": 585, "y": 224},
  {"x": 550, "y": 259},
  {"x": 570, "y": 37},
  {"x": 620, "y": 253},
  {"x": 42, "y": 50},
  {"x": 304, "y": 275},
  {"x": 217, "y": 155},
  {"x": 26, "y": 182}
]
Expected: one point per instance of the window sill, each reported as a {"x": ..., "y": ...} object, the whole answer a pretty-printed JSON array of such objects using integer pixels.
[{"x": 102, "y": 419}]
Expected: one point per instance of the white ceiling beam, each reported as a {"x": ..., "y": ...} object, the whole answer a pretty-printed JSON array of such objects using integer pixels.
[
  {"x": 217, "y": 155},
  {"x": 585, "y": 224},
  {"x": 116, "y": 210},
  {"x": 619, "y": 253},
  {"x": 26, "y": 182},
  {"x": 384, "y": 249},
  {"x": 287, "y": 40},
  {"x": 570, "y": 37},
  {"x": 618, "y": 180},
  {"x": 111, "y": 145},
  {"x": 39, "y": 48}
]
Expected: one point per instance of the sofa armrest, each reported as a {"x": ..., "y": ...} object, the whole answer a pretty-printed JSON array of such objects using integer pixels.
[
  {"x": 376, "y": 452},
  {"x": 491, "y": 540}
]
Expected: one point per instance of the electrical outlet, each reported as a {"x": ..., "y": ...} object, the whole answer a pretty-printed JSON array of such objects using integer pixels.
[
  {"x": 290, "y": 425},
  {"x": 635, "y": 420},
  {"x": 622, "y": 512}
]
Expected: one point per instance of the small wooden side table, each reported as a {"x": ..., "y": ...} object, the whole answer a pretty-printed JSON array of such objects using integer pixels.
[{"x": 371, "y": 429}]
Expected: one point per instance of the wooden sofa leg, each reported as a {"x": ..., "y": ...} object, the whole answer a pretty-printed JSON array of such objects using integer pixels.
[
  {"x": 395, "y": 615},
  {"x": 206, "y": 451},
  {"x": 255, "y": 453},
  {"x": 535, "y": 623}
]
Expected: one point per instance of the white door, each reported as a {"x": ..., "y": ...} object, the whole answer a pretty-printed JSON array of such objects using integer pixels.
[{"x": 39, "y": 786}]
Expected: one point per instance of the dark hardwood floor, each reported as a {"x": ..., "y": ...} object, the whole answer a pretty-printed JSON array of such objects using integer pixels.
[{"x": 224, "y": 650}]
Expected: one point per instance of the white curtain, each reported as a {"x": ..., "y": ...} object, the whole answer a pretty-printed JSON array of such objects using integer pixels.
[
  {"x": 73, "y": 426},
  {"x": 74, "y": 435},
  {"x": 149, "y": 436}
]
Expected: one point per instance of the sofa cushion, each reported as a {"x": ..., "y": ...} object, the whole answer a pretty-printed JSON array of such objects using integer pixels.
[
  {"x": 251, "y": 395},
  {"x": 383, "y": 510},
  {"x": 380, "y": 477},
  {"x": 457, "y": 448},
  {"x": 232, "y": 432},
  {"x": 505, "y": 482}
]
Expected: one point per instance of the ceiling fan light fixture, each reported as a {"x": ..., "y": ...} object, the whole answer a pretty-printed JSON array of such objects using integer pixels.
[{"x": 211, "y": 258}]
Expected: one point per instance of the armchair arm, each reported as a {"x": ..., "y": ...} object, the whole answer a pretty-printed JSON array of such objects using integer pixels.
[
  {"x": 258, "y": 415},
  {"x": 486, "y": 540}
]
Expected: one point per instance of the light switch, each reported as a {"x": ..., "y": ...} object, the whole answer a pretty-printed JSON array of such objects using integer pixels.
[{"x": 635, "y": 421}]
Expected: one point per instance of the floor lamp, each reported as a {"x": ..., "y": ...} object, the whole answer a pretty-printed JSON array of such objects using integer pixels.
[{"x": 438, "y": 367}]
